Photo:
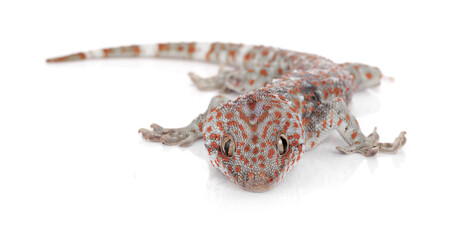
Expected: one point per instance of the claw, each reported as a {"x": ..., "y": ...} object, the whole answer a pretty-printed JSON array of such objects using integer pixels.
[
  {"x": 150, "y": 135},
  {"x": 396, "y": 145},
  {"x": 156, "y": 127},
  {"x": 367, "y": 151},
  {"x": 374, "y": 135}
]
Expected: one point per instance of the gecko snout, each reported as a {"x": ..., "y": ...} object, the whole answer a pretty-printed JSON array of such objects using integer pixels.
[{"x": 260, "y": 185}]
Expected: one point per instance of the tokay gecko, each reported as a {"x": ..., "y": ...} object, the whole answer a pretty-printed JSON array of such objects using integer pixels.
[{"x": 290, "y": 102}]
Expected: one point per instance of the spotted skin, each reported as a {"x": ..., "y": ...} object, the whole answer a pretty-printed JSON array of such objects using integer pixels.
[{"x": 290, "y": 103}]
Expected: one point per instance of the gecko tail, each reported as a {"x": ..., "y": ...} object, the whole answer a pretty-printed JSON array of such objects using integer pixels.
[
  {"x": 72, "y": 57},
  {"x": 118, "y": 52}
]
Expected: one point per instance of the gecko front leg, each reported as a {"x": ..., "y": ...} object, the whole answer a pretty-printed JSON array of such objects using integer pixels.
[
  {"x": 181, "y": 136},
  {"x": 336, "y": 115}
]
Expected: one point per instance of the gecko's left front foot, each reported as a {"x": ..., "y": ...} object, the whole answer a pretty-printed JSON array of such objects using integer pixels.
[
  {"x": 171, "y": 136},
  {"x": 371, "y": 145}
]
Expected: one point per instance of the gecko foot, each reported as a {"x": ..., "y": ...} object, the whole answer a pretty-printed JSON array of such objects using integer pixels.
[
  {"x": 208, "y": 83},
  {"x": 371, "y": 145},
  {"x": 170, "y": 136}
]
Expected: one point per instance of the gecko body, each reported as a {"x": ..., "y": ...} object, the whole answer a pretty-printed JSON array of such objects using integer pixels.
[{"x": 290, "y": 102}]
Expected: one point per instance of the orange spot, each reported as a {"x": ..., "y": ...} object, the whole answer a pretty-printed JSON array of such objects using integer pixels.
[
  {"x": 280, "y": 71},
  {"x": 262, "y": 117},
  {"x": 282, "y": 97},
  {"x": 296, "y": 102},
  {"x": 296, "y": 135},
  {"x": 278, "y": 114},
  {"x": 245, "y": 161},
  {"x": 163, "y": 47},
  {"x": 211, "y": 50},
  {"x": 220, "y": 125},
  {"x": 326, "y": 94},
  {"x": 214, "y": 145},
  {"x": 255, "y": 139},
  {"x": 254, "y": 127},
  {"x": 270, "y": 153},
  {"x": 339, "y": 122},
  {"x": 229, "y": 115},
  {"x": 369, "y": 76},
  {"x": 233, "y": 123},
  {"x": 107, "y": 51},
  {"x": 247, "y": 148},
  {"x": 252, "y": 105},
  {"x": 262, "y": 165},
  {"x": 251, "y": 175},
  {"x": 209, "y": 129},
  {"x": 262, "y": 174},
  {"x": 354, "y": 135},
  {"x": 136, "y": 50},
  {"x": 324, "y": 123},
  {"x": 238, "y": 169},
  {"x": 180, "y": 48},
  {"x": 251, "y": 82},
  {"x": 263, "y": 72},
  {"x": 313, "y": 144},
  {"x": 232, "y": 54},
  {"x": 255, "y": 150},
  {"x": 191, "y": 48},
  {"x": 247, "y": 56}
]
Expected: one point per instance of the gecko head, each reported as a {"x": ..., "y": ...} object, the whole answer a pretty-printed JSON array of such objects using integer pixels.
[{"x": 254, "y": 140}]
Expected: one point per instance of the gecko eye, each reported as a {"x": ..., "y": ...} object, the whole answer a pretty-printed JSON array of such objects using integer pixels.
[
  {"x": 227, "y": 146},
  {"x": 282, "y": 144}
]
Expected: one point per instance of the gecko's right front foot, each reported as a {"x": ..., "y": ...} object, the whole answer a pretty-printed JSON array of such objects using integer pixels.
[{"x": 170, "y": 136}]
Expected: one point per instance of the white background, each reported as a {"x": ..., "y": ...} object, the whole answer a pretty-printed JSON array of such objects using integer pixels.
[{"x": 72, "y": 165}]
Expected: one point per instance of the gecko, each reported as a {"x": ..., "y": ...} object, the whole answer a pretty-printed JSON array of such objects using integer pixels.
[{"x": 288, "y": 103}]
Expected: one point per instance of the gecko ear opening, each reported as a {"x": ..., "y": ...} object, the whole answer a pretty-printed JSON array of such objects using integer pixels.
[
  {"x": 282, "y": 144},
  {"x": 227, "y": 146}
]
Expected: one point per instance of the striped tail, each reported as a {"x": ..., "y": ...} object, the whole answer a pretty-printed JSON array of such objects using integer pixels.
[{"x": 213, "y": 52}]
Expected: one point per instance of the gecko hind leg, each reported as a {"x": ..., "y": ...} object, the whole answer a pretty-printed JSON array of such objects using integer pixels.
[
  {"x": 210, "y": 83},
  {"x": 239, "y": 80},
  {"x": 185, "y": 136}
]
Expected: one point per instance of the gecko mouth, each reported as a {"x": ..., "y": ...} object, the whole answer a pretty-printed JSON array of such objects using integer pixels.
[{"x": 257, "y": 185}]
